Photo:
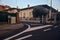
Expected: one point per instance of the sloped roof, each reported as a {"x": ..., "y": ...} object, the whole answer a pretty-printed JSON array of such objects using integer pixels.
[
  {"x": 4, "y": 7},
  {"x": 6, "y": 13},
  {"x": 37, "y": 6},
  {"x": 13, "y": 9},
  {"x": 45, "y": 6}
]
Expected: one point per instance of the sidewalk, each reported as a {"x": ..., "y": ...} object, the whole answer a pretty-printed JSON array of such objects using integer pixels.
[
  {"x": 32, "y": 21},
  {"x": 11, "y": 26},
  {"x": 7, "y": 28}
]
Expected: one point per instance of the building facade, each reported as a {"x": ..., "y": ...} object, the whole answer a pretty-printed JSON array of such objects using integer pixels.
[
  {"x": 39, "y": 13},
  {"x": 27, "y": 13},
  {"x": 2, "y": 8},
  {"x": 8, "y": 18}
]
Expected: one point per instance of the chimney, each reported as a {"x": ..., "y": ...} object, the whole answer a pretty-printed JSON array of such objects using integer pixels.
[{"x": 28, "y": 5}]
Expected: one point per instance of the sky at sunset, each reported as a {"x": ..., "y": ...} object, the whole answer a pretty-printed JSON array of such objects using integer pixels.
[{"x": 24, "y": 3}]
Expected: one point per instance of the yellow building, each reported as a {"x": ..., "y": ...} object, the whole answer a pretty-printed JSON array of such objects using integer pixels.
[
  {"x": 13, "y": 16},
  {"x": 12, "y": 10},
  {"x": 27, "y": 13}
]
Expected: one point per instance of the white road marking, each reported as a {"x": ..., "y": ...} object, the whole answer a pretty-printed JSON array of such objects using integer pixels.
[
  {"x": 47, "y": 29},
  {"x": 55, "y": 26},
  {"x": 34, "y": 24},
  {"x": 27, "y": 30},
  {"x": 38, "y": 27},
  {"x": 24, "y": 37},
  {"x": 18, "y": 33}
]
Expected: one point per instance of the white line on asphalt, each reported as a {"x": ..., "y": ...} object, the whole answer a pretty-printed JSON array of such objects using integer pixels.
[
  {"x": 47, "y": 29},
  {"x": 27, "y": 30},
  {"x": 55, "y": 26},
  {"x": 34, "y": 24},
  {"x": 38, "y": 27},
  {"x": 24, "y": 37},
  {"x": 18, "y": 33}
]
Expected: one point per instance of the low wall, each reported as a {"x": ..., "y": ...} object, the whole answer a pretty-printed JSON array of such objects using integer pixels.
[{"x": 3, "y": 23}]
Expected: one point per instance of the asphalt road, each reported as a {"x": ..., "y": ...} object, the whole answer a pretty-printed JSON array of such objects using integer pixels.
[
  {"x": 45, "y": 33},
  {"x": 32, "y": 24},
  {"x": 53, "y": 34},
  {"x": 34, "y": 32},
  {"x": 12, "y": 32}
]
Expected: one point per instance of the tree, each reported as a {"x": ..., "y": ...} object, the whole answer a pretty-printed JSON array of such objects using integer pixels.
[
  {"x": 40, "y": 12},
  {"x": 58, "y": 16}
]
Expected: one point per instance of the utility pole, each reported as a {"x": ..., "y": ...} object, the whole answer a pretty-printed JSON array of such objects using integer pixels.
[
  {"x": 17, "y": 13},
  {"x": 0, "y": 1},
  {"x": 50, "y": 12},
  {"x": 55, "y": 17},
  {"x": 17, "y": 4}
]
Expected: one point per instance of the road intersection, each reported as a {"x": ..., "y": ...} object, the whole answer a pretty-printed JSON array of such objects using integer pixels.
[{"x": 28, "y": 30}]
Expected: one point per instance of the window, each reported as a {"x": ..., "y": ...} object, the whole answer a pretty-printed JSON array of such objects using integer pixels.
[
  {"x": 31, "y": 14},
  {"x": 24, "y": 15}
]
